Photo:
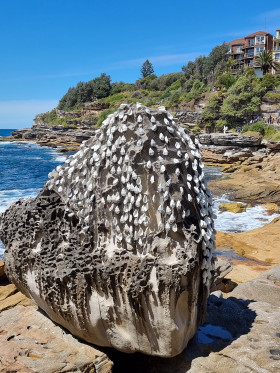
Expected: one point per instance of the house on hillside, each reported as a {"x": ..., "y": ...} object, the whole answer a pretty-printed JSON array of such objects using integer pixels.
[
  {"x": 276, "y": 50},
  {"x": 236, "y": 50},
  {"x": 246, "y": 50}
]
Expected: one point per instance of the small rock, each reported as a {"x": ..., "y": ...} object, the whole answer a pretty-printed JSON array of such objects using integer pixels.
[
  {"x": 273, "y": 207},
  {"x": 7, "y": 291},
  {"x": 13, "y": 300},
  {"x": 236, "y": 208}
]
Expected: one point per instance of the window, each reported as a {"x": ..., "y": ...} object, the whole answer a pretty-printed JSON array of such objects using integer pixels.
[
  {"x": 238, "y": 48},
  {"x": 259, "y": 50},
  {"x": 277, "y": 56},
  {"x": 250, "y": 52},
  {"x": 260, "y": 39},
  {"x": 251, "y": 42}
]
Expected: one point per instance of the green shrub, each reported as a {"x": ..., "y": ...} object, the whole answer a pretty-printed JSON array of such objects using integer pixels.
[
  {"x": 84, "y": 92},
  {"x": 225, "y": 80},
  {"x": 103, "y": 115},
  {"x": 272, "y": 97},
  {"x": 275, "y": 137},
  {"x": 269, "y": 81},
  {"x": 258, "y": 127},
  {"x": 245, "y": 128},
  {"x": 196, "y": 130},
  {"x": 270, "y": 132},
  {"x": 221, "y": 123},
  {"x": 175, "y": 98}
]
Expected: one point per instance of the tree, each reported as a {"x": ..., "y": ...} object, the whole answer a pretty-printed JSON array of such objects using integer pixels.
[
  {"x": 265, "y": 62},
  {"x": 147, "y": 69},
  {"x": 269, "y": 81},
  {"x": 83, "y": 92},
  {"x": 225, "y": 80},
  {"x": 211, "y": 112},
  {"x": 242, "y": 101}
]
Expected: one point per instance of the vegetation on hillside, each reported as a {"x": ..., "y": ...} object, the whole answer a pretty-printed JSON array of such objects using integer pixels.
[{"x": 231, "y": 100}]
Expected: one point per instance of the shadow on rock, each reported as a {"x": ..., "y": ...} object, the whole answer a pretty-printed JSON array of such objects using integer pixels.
[{"x": 226, "y": 321}]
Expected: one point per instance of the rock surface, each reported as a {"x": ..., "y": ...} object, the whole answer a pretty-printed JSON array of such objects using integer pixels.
[
  {"x": 239, "y": 335},
  {"x": 229, "y": 139},
  {"x": 31, "y": 342},
  {"x": 235, "y": 207},
  {"x": 256, "y": 182},
  {"x": 118, "y": 247},
  {"x": 2, "y": 272},
  {"x": 261, "y": 244}
]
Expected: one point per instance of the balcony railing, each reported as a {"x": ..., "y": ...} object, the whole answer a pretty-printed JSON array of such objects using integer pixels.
[
  {"x": 249, "y": 55},
  {"x": 276, "y": 49}
]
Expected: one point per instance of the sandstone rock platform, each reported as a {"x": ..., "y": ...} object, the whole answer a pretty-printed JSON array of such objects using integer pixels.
[{"x": 31, "y": 342}]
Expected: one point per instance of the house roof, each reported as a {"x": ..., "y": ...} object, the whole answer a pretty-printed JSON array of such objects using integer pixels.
[
  {"x": 236, "y": 41},
  {"x": 278, "y": 29},
  {"x": 257, "y": 33}
]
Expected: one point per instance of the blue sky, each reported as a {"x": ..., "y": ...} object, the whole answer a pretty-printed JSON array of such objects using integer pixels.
[{"x": 49, "y": 45}]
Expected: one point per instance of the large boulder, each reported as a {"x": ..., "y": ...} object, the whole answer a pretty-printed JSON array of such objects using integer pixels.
[{"x": 118, "y": 247}]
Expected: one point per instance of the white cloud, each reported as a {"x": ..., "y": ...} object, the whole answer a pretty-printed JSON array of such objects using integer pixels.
[{"x": 20, "y": 113}]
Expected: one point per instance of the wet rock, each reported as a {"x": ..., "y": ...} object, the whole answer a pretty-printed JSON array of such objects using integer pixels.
[
  {"x": 271, "y": 207},
  {"x": 236, "y": 208},
  {"x": 260, "y": 244},
  {"x": 30, "y": 342},
  {"x": 257, "y": 183},
  {"x": 118, "y": 247}
]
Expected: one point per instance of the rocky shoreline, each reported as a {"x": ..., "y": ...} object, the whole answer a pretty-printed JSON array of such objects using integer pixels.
[{"x": 252, "y": 173}]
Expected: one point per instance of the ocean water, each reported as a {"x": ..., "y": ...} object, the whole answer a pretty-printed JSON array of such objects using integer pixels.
[
  {"x": 24, "y": 168},
  {"x": 254, "y": 217},
  {"x": 6, "y": 132}
]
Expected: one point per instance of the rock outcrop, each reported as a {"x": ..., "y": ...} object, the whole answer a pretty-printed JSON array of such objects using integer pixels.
[
  {"x": 229, "y": 139},
  {"x": 224, "y": 148},
  {"x": 118, "y": 247},
  {"x": 255, "y": 180},
  {"x": 53, "y": 136}
]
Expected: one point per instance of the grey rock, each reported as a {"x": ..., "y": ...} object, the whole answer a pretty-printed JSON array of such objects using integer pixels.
[
  {"x": 265, "y": 288},
  {"x": 229, "y": 139},
  {"x": 189, "y": 117},
  {"x": 118, "y": 247}
]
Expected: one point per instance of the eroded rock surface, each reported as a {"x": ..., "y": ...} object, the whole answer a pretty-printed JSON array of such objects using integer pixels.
[{"x": 118, "y": 247}]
